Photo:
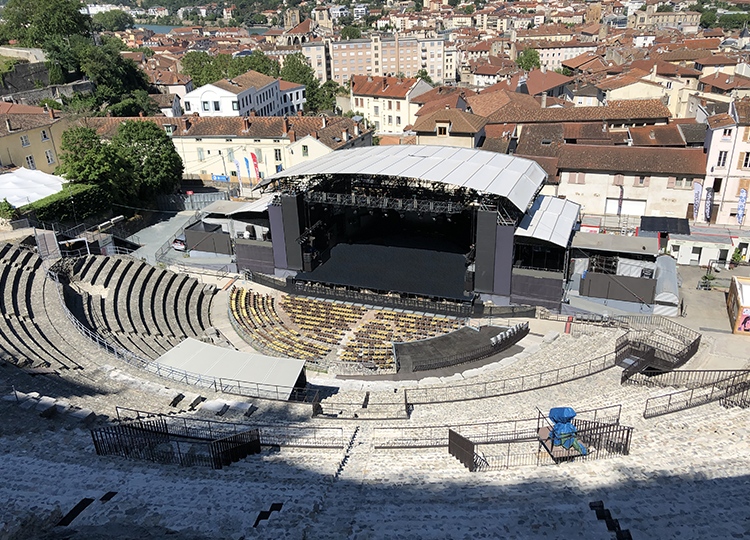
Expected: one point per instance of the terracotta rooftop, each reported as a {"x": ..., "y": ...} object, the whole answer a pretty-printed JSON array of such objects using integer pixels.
[
  {"x": 459, "y": 121},
  {"x": 392, "y": 87},
  {"x": 616, "y": 111},
  {"x": 493, "y": 99},
  {"x": 244, "y": 82},
  {"x": 633, "y": 160},
  {"x": 719, "y": 121},
  {"x": 669, "y": 135}
]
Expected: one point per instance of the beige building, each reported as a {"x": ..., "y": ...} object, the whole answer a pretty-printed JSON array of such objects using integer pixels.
[
  {"x": 450, "y": 127},
  {"x": 386, "y": 102},
  {"x": 379, "y": 56},
  {"x": 30, "y": 137},
  {"x": 687, "y": 21}
]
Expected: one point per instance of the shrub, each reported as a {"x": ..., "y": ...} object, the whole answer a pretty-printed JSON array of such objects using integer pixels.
[{"x": 87, "y": 200}]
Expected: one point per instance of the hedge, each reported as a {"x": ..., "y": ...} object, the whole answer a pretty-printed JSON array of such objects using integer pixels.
[{"x": 88, "y": 200}]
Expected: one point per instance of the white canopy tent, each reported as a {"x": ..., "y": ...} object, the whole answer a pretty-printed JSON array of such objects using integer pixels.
[{"x": 24, "y": 186}]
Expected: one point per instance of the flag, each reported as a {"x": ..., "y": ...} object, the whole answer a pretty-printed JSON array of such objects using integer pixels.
[
  {"x": 741, "y": 206},
  {"x": 249, "y": 174},
  {"x": 709, "y": 203},
  {"x": 239, "y": 173},
  {"x": 255, "y": 164},
  {"x": 697, "y": 190}
]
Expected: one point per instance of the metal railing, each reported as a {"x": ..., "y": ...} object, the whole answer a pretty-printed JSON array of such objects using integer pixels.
[
  {"x": 736, "y": 382},
  {"x": 504, "y": 431},
  {"x": 521, "y": 383},
  {"x": 220, "y": 272}
]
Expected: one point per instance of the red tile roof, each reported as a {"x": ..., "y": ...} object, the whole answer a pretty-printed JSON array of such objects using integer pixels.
[
  {"x": 631, "y": 159},
  {"x": 392, "y": 87}
]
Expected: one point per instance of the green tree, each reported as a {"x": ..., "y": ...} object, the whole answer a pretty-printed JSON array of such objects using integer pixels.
[
  {"x": 85, "y": 159},
  {"x": 422, "y": 74},
  {"x": 528, "y": 59},
  {"x": 469, "y": 9},
  {"x": 51, "y": 103},
  {"x": 261, "y": 63},
  {"x": 708, "y": 19},
  {"x": 139, "y": 102},
  {"x": 453, "y": 3},
  {"x": 327, "y": 95},
  {"x": 113, "y": 74},
  {"x": 32, "y": 22},
  {"x": 157, "y": 167},
  {"x": 259, "y": 18},
  {"x": 297, "y": 71},
  {"x": 564, "y": 71},
  {"x": 665, "y": 8},
  {"x": 350, "y": 32},
  {"x": 642, "y": 8},
  {"x": 113, "y": 21},
  {"x": 7, "y": 210},
  {"x": 732, "y": 21}
]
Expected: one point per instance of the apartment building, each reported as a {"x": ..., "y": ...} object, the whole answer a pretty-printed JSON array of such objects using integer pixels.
[
  {"x": 387, "y": 102},
  {"x": 381, "y": 56},
  {"x": 246, "y": 93},
  {"x": 30, "y": 137}
]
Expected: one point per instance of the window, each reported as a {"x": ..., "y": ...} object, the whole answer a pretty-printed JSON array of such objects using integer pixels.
[
  {"x": 201, "y": 156},
  {"x": 169, "y": 130},
  {"x": 217, "y": 106},
  {"x": 390, "y": 119},
  {"x": 727, "y": 133},
  {"x": 45, "y": 137},
  {"x": 259, "y": 155},
  {"x": 24, "y": 140},
  {"x": 235, "y": 106},
  {"x": 230, "y": 154},
  {"x": 376, "y": 109},
  {"x": 546, "y": 142},
  {"x": 277, "y": 154},
  {"x": 398, "y": 120},
  {"x": 717, "y": 185},
  {"x": 50, "y": 155},
  {"x": 304, "y": 151},
  {"x": 442, "y": 131},
  {"x": 746, "y": 160},
  {"x": 30, "y": 163},
  {"x": 205, "y": 106},
  {"x": 722, "y": 161},
  {"x": 187, "y": 105},
  {"x": 398, "y": 105}
]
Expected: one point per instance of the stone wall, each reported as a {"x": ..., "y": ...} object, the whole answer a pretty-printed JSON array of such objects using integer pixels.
[
  {"x": 23, "y": 77},
  {"x": 35, "y": 96}
]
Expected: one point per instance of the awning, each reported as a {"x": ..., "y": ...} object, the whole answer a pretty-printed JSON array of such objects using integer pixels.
[{"x": 550, "y": 219}]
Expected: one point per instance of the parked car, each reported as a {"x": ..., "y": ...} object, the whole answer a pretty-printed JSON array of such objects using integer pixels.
[{"x": 179, "y": 243}]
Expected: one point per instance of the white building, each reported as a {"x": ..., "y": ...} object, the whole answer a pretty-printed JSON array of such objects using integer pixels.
[
  {"x": 339, "y": 11},
  {"x": 293, "y": 97},
  {"x": 249, "y": 92},
  {"x": 361, "y": 11}
]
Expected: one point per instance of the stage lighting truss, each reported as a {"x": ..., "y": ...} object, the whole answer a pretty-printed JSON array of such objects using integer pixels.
[{"x": 385, "y": 203}]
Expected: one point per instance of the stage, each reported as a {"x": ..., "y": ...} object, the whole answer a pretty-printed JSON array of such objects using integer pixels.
[{"x": 393, "y": 269}]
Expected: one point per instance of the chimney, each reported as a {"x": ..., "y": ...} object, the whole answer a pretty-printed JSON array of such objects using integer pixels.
[
  {"x": 356, "y": 129},
  {"x": 345, "y": 135},
  {"x": 447, "y": 106},
  {"x": 245, "y": 123},
  {"x": 324, "y": 123},
  {"x": 544, "y": 68},
  {"x": 385, "y": 83},
  {"x": 187, "y": 125},
  {"x": 544, "y": 100},
  {"x": 142, "y": 114},
  {"x": 292, "y": 136},
  {"x": 253, "y": 113},
  {"x": 299, "y": 113},
  {"x": 51, "y": 112},
  {"x": 731, "y": 78},
  {"x": 109, "y": 114},
  {"x": 653, "y": 73},
  {"x": 314, "y": 134},
  {"x": 286, "y": 124},
  {"x": 7, "y": 125}
]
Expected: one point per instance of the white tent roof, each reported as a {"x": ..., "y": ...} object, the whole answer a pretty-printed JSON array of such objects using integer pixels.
[
  {"x": 273, "y": 375},
  {"x": 24, "y": 186},
  {"x": 665, "y": 274},
  {"x": 514, "y": 178},
  {"x": 550, "y": 219}
]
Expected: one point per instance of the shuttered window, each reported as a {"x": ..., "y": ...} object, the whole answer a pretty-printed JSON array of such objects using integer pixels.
[
  {"x": 619, "y": 180},
  {"x": 671, "y": 181}
]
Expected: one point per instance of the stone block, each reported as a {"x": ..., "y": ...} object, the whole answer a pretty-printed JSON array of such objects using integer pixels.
[
  {"x": 16, "y": 396},
  {"x": 29, "y": 403},
  {"x": 551, "y": 336},
  {"x": 83, "y": 415},
  {"x": 46, "y": 406}
]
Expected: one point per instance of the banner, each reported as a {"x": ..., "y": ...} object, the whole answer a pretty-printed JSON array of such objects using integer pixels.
[
  {"x": 239, "y": 174},
  {"x": 741, "y": 206},
  {"x": 249, "y": 174},
  {"x": 709, "y": 203},
  {"x": 255, "y": 164},
  {"x": 697, "y": 190},
  {"x": 619, "y": 201}
]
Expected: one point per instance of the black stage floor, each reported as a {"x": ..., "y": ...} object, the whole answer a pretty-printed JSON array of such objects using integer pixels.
[
  {"x": 462, "y": 340},
  {"x": 393, "y": 269}
]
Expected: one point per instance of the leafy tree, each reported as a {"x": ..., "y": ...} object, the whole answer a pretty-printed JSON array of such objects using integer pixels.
[
  {"x": 469, "y": 9},
  {"x": 7, "y": 210},
  {"x": 296, "y": 70},
  {"x": 665, "y": 8},
  {"x": 528, "y": 59},
  {"x": 113, "y": 21},
  {"x": 418, "y": 6},
  {"x": 708, "y": 19},
  {"x": 32, "y": 22},
  {"x": 134, "y": 105},
  {"x": 401, "y": 75},
  {"x": 86, "y": 159},
  {"x": 259, "y": 18},
  {"x": 642, "y": 8},
  {"x": 206, "y": 69},
  {"x": 261, "y": 63},
  {"x": 327, "y": 95},
  {"x": 564, "y": 71},
  {"x": 422, "y": 74},
  {"x": 731, "y": 21},
  {"x": 157, "y": 167},
  {"x": 51, "y": 103},
  {"x": 350, "y": 32},
  {"x": 453, "y": 3},
  {"x": 113, "y": 74}
]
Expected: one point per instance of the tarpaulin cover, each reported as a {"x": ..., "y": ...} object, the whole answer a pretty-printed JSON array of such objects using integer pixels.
[{"x": 563, "y": 432}]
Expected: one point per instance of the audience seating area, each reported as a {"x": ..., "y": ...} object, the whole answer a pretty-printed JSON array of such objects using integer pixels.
[
  {"x": 257, "y": 315},
  {"x": 28, "y": 337},
  {"x": 144, "y": 309},
  {"x": 322, "y": 321},
  {"x": 373, "y": 341}
]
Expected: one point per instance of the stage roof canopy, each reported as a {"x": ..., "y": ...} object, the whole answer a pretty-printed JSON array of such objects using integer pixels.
[
  {"x": 514, "y": 178},
  {"x": 275, "y": 376},
  {"x": 550, "y": 219}
]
